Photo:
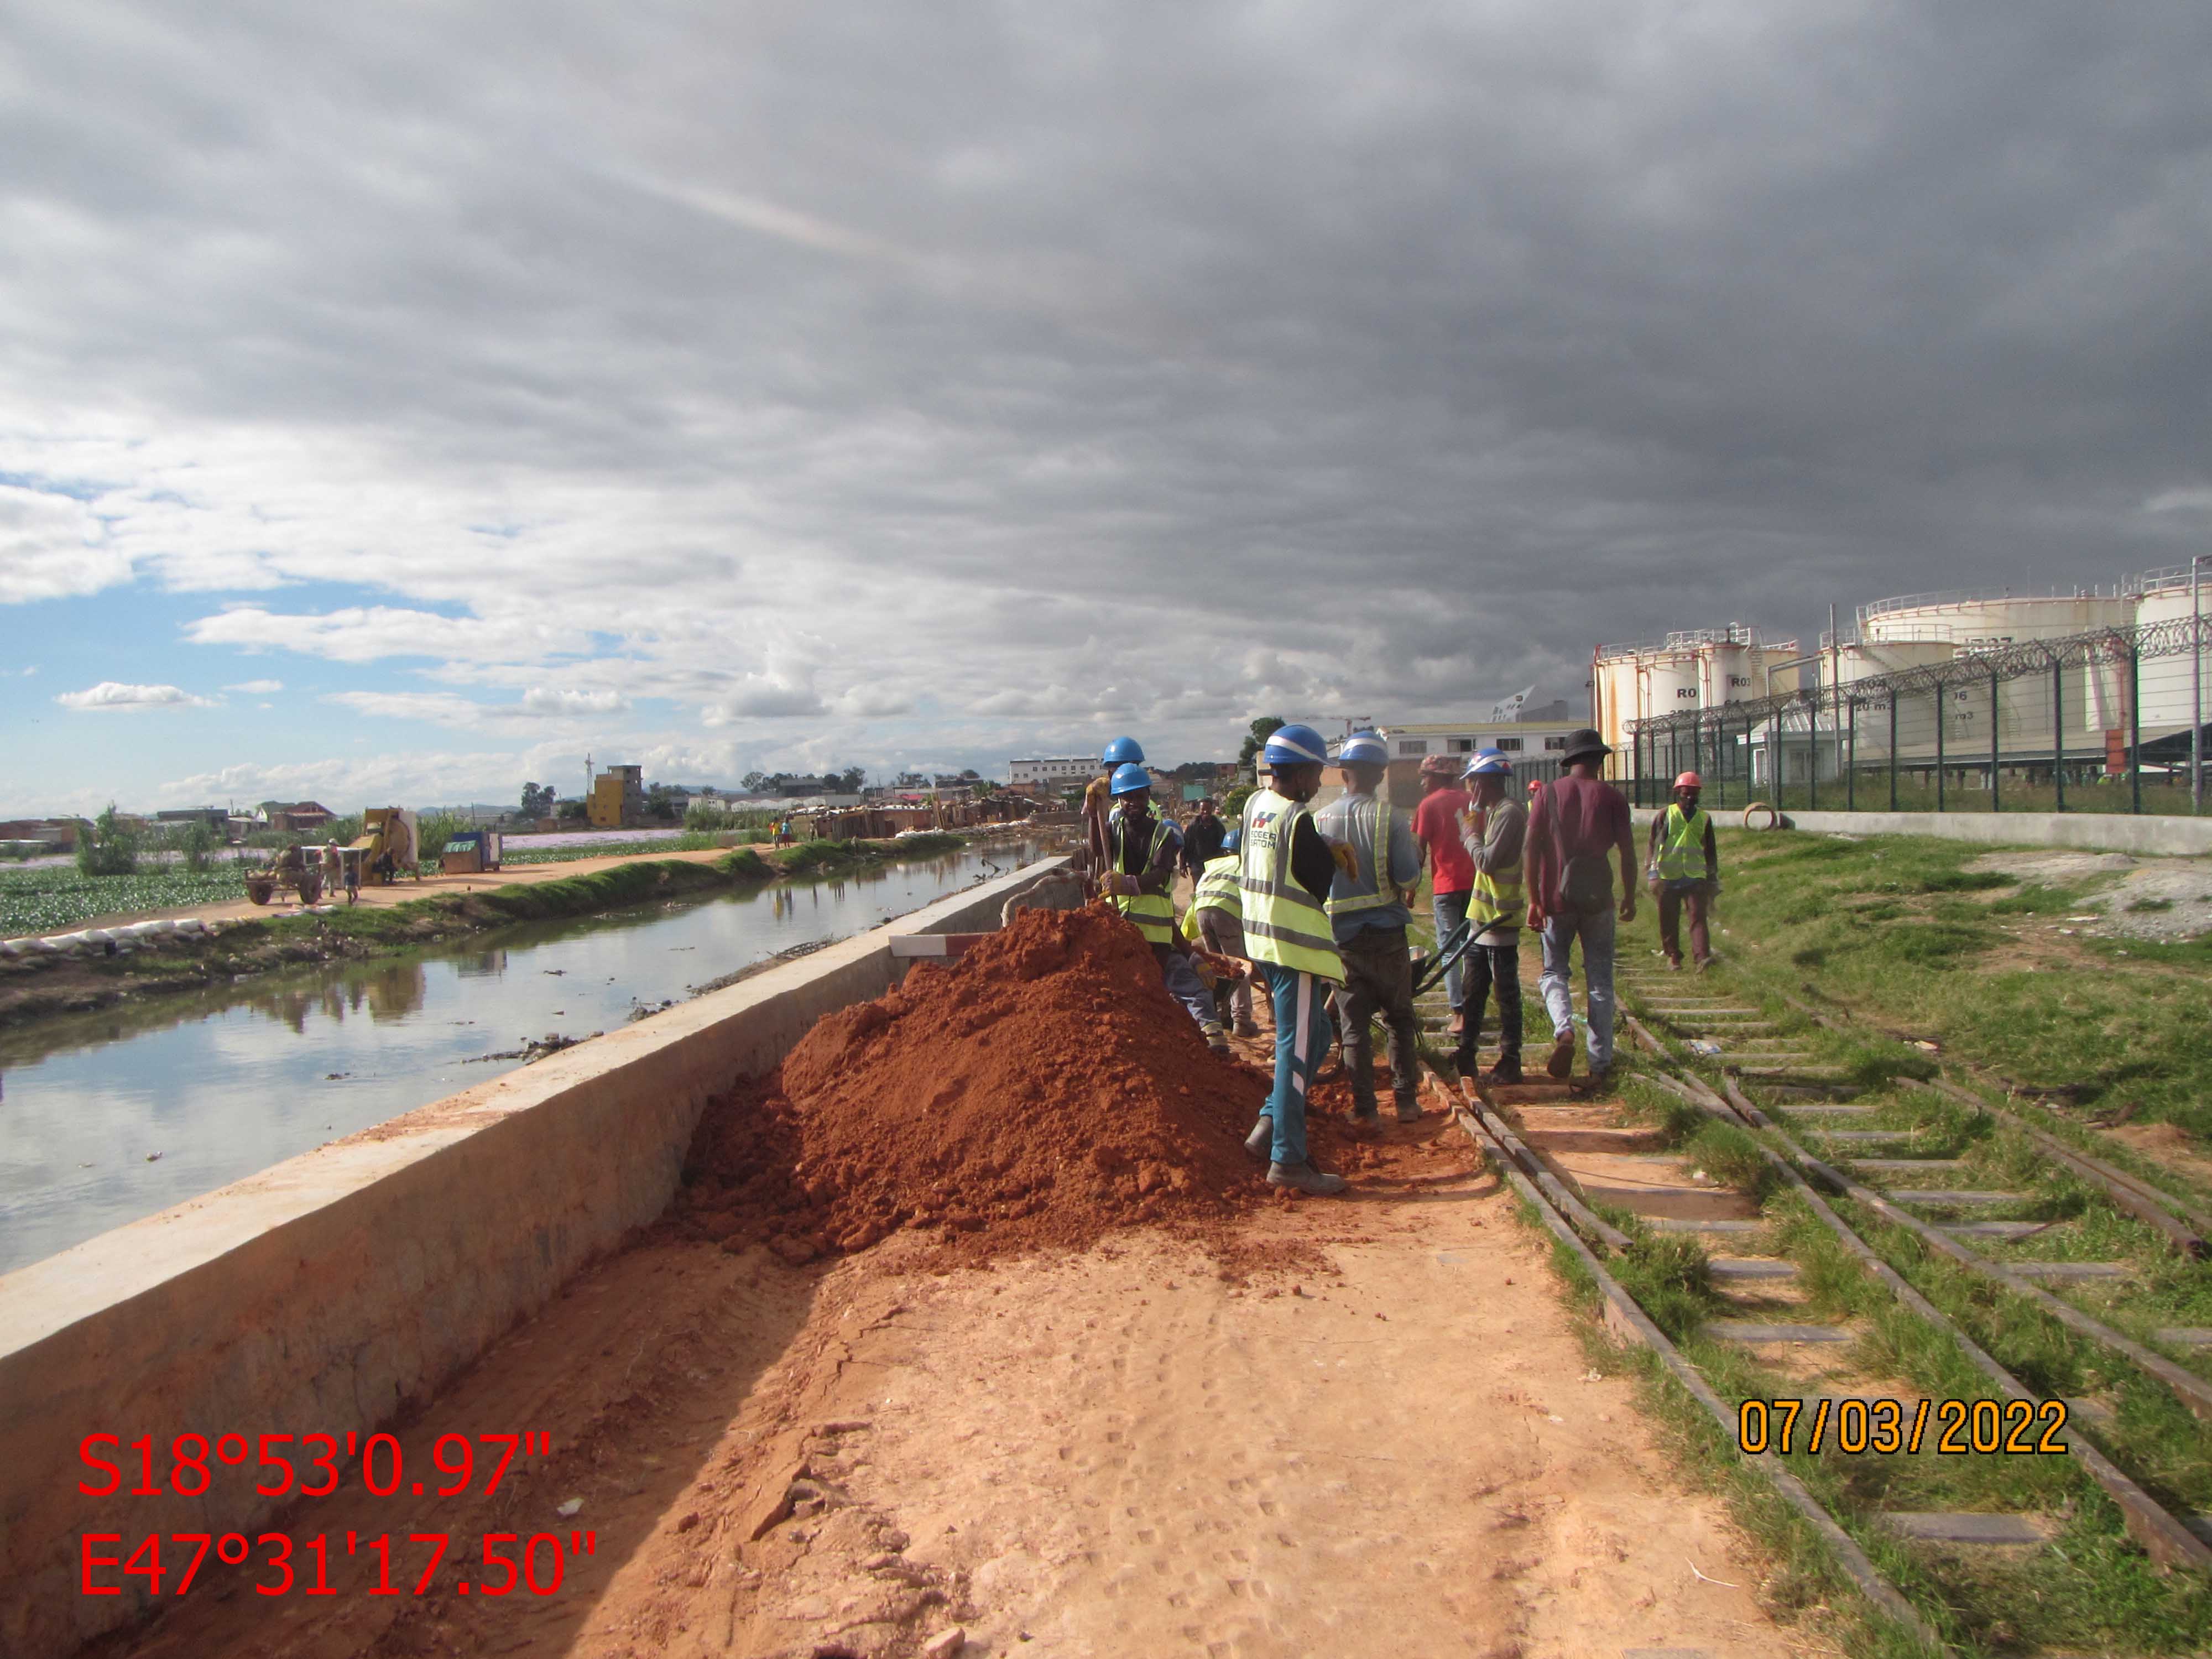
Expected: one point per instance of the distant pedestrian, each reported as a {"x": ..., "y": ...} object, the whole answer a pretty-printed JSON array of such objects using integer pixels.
[
  {"x": 1685, "y": 870},
  {"x": 1201, "y": 839},
  {"x": 1495, "y": 833},
  {"x": 1578, "y": 820},
  {"x": 1368, "y": 913},
  {"x": 1452, "y": 872}
]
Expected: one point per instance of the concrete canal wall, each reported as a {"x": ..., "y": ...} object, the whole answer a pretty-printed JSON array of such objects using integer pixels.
[{"x": 323, "y": 1295}]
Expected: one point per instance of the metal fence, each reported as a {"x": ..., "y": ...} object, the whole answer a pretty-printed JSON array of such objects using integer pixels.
[{"x": 2073, "y": 722}]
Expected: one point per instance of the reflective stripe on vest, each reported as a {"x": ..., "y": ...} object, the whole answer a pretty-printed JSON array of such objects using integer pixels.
[
  {"x": 1378, "y": 859},
  {"x": 1153, "y": 913},
  {"x": 1682, "y": 845},
  {"x": 1283, "y": 923}
]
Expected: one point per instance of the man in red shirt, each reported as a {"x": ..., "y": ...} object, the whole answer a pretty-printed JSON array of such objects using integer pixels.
[
  {"x": 1573, "y": 826},
  {"x": 1436, "y": 825}
]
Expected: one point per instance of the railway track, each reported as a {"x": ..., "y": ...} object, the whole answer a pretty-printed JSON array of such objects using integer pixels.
[{"x": 1843, "y": 1190}]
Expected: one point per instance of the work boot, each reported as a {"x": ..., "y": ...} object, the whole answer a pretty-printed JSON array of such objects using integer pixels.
[
  {"x": 1305, "y": 1178},
  {"x": 1704, "y": 962},
  {"x": 1409, "y": 1111},
  {"x": 1366, "y": 1112},
  {"x": 1506, "y": 1071},
  {"x": 1563, "y": 1054},
  {"x": 1247, "y": 1028},
  {"x": 1456, "y": 1025},
  {"x": 1261, "y": 1140},
  {"x": 1675, "y": 964},
  {"x": 1215, "y": 1038},
  {"x": 1591, "y": 1083}
]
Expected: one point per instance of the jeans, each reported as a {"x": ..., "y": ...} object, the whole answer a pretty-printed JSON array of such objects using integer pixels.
[
  {"x": 1595, "y": 933},
  {"x": 1449, "y": 910},
  {"x": 1301, "y": 1038},
  {"x": 1672, "y": 898},
  {"x": 1220, "y": 932},
  {"x": 1378, "y": 979},
  {"x": 1186, "y": 986},
  {"x": 1489, "y": 965}
]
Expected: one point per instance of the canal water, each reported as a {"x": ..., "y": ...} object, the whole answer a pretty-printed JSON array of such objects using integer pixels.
[{"x": 106, "y": 1118}]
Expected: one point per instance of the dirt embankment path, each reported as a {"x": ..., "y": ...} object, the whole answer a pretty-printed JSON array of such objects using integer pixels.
[{"x": 1127, "y": 1450}]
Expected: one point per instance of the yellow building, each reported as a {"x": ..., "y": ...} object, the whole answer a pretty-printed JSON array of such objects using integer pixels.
[{"x": 617, "y": 798}]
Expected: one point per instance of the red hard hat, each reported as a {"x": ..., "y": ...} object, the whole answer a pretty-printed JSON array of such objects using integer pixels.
[
  {"x": 1689, "y": 780},
  {"x": 1439, "y": 766}
]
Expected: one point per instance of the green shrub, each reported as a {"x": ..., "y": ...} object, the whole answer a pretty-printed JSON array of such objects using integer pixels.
[{"x": 107, "y": 848}]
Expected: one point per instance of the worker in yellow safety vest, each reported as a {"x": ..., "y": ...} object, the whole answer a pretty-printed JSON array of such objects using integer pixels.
[
  {"x": 1286, "y": 872},
  {"x": 1098, "y": 805},
  {"x": 1216, "y": 920},
  {"x": 1379, "y": 865},
  {"x": 1494, "y": 831},
  {"x": 1137, "y": 878},
  {"x": 1683, "y": 868}
]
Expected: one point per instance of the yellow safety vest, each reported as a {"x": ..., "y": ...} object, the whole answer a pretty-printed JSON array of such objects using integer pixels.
[
  {"x": 1682, "y": 845},
  {"x": 1153, "y": 913},
  {"x": 1283, "y": 923},
  {"x": 1220, "y": 887},
  {"x": 1378, "y": 859},
  {"x": 1497, "y": 897}
]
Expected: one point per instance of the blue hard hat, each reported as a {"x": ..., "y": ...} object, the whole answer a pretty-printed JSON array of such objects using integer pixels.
[
  {"x": 1128, "y": 779},
  {"x": 1123, "y": 751},
  {"x": 1295, "y": 745},
  {"x": 1363, "y": 748},
  {"x": 1485, "y": 761},
  {"x": 1232, "y": 841}
]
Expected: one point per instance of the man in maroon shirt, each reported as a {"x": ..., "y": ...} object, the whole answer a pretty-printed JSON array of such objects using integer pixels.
[
  {"x": 1436, "y": 825},
  {"x": 1573, "y": 825}
]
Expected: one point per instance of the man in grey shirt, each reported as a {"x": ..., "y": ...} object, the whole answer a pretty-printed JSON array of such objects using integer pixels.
[
  {"x": 1378, "y": 868},
  {"x": 1493, "y": 833}
]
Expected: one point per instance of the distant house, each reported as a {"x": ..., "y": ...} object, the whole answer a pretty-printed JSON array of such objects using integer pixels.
[
  {"x": 214, "y": 816},
  {"x": 296, "y": 817}
]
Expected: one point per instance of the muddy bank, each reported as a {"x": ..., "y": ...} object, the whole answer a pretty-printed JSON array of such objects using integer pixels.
[{"x": 33, "y": 987}]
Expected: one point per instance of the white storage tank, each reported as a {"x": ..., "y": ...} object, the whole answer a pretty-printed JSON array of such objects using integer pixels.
[
  {"x": 2096, "y": 698},
  {"x": 2166, "y": 688}
]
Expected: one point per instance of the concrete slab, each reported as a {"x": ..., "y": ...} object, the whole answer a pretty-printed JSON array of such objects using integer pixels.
[
  {"x": 2184, "y": 1336},
  {"x": 2066, "y": 1270},
  {"x": 1647, "y": 1187},
  {"x": 1703, "y": 1224},
  {"x": 1862, "y": 1137},
  {"x": 1910, "y": 1165},
  {"x": 1994, "y": 1229},
  {"x": 1752, "y": 1267},
  {"x": 1816, "y": 1108},
  {"x": 2096, "y": 1411},
  {"x": 1748, "y": 1330},
  {"x": 1938, "y": 1195},
  {"x": 1964, "y": 1528},
  {"x": 1583, "y": 1138}
]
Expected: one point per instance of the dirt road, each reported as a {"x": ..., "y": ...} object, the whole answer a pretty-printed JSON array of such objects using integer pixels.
[{"x": 1128, "y": 1451}]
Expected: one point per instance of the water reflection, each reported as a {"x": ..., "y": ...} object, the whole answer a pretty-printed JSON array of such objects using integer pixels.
[{"x": 111, "y": 1115}]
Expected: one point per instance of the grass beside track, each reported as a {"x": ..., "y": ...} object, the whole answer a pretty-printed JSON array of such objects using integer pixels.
[{"x": 1900, "y": 930}]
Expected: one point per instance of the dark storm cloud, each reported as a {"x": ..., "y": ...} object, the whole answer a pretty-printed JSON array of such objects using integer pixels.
[{"x": 1142, "y": 362}]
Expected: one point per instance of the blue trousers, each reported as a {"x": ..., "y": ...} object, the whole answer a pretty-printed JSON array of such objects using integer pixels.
[
  {"x": 1302, "y": 1039},
  {"x": 1449, "y": 910},
  {"x": 1185, "y": 987}
]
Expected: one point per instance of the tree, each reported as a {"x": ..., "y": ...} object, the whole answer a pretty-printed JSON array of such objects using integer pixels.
[
  {"x": 1263, "y": 728},
  {"x": 536, "y": 800},
  {"x": 106, "y": 847},
  {"x": 850, "y": 781},
  {"x": 752, "y": 781}
]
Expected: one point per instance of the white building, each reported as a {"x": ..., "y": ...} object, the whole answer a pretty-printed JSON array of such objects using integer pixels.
[{"x": 1052, "y": 773}]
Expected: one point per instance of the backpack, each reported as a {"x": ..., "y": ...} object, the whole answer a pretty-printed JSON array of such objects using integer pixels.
[{"x": 1586, "y": 881}]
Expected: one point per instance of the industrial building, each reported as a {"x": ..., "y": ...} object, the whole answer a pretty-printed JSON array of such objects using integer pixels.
[
  {"x": 1051, "y": 775},
  {"x": 1533, "y": 738},
  {"x": 1984, "y": 681}
]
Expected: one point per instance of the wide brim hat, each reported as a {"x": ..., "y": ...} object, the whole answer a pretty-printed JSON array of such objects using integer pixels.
[{"x": 1584, "y": 743}]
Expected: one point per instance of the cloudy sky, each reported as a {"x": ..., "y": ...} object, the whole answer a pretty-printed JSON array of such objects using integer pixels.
[{"x": 403, "y": 401}]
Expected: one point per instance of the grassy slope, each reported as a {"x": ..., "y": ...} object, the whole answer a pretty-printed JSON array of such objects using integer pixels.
[{"x": 1897, "y": 927}]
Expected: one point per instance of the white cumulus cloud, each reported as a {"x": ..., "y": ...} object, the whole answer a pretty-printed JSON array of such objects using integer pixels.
[
  {"x": 113, "y": 694},
  {"x": 256, "y": 688}
]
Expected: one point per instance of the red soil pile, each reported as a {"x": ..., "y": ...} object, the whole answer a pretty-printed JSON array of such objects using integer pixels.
[{"x": 1041, "y": 1090}]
